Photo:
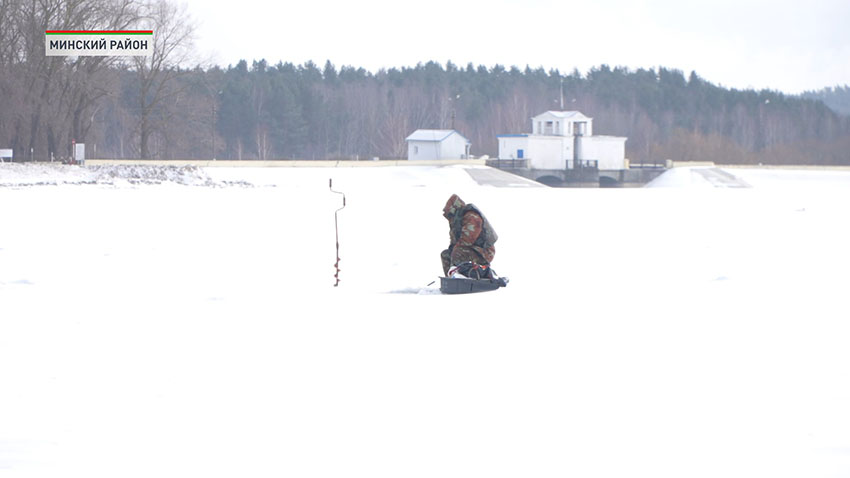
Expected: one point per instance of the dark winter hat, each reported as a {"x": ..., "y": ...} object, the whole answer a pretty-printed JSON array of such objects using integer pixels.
[{"x": 453, "y": 205}]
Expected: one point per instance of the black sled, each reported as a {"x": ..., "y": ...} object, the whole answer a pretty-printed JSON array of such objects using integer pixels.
[{"x": 458, "y": 285}]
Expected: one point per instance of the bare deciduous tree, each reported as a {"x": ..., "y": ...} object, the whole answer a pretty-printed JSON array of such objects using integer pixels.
[
  {"x": 52, "y": 99},
  {"x": 157, "y": 73}
]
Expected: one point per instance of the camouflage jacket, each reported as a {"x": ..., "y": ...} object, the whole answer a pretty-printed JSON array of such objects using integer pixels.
[{"x": 469, "y": 228}]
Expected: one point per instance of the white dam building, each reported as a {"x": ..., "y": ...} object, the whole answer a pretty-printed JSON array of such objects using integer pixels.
[{"x": 564, "y": 140}]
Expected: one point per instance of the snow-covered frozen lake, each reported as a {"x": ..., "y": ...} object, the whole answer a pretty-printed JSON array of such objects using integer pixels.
[{"x": 194, "y": 330}]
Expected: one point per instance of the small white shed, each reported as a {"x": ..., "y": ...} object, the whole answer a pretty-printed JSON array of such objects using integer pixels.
[{"x": 437, "y": 144}]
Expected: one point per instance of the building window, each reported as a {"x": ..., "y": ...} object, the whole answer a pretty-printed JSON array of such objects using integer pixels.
[{"x": 416, "y": 150}]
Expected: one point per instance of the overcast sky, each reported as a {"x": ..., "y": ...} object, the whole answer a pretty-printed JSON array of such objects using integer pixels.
[{"x": 785, "y": 45}]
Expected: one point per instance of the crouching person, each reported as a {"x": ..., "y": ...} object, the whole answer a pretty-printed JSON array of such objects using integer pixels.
[{"x": 472, "y": 238}]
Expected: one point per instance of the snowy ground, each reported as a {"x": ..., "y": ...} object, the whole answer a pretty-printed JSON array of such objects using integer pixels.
[{"x": 177, "y": 330}]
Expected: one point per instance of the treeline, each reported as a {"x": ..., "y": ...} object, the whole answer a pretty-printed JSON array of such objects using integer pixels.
[
  {"x": 162, "y": 107},
  {"x": 837, "y": 98},
  {"x": 305, "y": 111}
]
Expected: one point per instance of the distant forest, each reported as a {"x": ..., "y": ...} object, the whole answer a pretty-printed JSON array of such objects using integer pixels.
[
  {"x": 162, "y": 108},
  {"x": 837, "y": 98}
]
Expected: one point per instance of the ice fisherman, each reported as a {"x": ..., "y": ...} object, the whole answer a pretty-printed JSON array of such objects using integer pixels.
[{"x": 472, "y": 239}]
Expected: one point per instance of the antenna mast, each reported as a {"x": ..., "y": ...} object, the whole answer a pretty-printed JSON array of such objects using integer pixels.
[{"x": 562, "y": 93}]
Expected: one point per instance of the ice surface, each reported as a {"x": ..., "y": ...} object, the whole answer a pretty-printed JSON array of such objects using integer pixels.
[{"x": 171, "y": 330}]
